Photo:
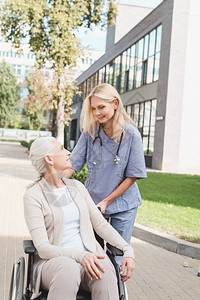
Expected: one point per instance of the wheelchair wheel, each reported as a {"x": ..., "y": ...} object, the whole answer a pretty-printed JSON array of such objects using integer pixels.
[{"x": 17, "y": 280}]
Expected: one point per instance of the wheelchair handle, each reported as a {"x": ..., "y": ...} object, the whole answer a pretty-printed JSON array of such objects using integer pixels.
[{"x": 29, "y": 247}]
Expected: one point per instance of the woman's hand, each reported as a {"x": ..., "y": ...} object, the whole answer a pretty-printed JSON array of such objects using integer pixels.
[
  {"x": 128, "y": 264},
  {"x": 102, "y": 205},
  {"x": 91, "y": 264}
]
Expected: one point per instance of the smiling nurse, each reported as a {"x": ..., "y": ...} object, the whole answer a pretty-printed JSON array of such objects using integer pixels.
[{"x": 111, "y": 146}]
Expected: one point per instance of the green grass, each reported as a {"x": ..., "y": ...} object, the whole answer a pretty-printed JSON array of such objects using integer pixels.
[{"x": 171, "y": 203}]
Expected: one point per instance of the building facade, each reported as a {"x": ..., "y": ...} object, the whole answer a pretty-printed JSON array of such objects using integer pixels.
[{"x": 156, "y": 68}]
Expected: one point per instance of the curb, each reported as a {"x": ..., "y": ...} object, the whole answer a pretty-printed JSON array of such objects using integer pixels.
[{"x": 166, "y": 241}]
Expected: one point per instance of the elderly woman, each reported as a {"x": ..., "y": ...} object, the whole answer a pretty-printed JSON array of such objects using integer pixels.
[{"x": 61, "y": 216}]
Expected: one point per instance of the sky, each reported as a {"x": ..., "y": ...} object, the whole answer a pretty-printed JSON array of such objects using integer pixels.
[{"x": 96, "y": 38}]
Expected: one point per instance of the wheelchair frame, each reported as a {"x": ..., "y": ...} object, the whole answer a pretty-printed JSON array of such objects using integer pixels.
[{"x": 17, "y": 291}]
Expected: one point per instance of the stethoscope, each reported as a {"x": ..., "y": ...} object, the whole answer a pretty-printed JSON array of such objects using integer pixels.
[{"x": 116, "y": 159}]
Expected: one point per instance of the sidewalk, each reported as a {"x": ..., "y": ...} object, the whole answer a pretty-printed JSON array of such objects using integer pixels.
[{"x": 160, "y": 274}]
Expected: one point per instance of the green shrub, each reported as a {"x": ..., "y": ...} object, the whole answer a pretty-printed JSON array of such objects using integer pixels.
[
  {"x": 27, "y": 144},
  {"x": 149, "y": 152},
  {"x": 82, "y": 175}
]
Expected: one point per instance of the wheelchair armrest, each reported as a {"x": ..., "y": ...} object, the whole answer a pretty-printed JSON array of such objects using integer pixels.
[
  {"x": 115, "y": 251},
  {"x": 29, "y": 248}
]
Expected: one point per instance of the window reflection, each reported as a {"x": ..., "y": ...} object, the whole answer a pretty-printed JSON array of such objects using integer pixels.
[
  {"x": 158, "y": 38},
  {"x": 136, "y": 66},
  {"x": 152, "y": 39},
  {"x": 144, "y": 116}
]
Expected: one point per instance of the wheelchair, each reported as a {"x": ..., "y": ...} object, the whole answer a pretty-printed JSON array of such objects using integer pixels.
[{"x": 20, "y": 286}]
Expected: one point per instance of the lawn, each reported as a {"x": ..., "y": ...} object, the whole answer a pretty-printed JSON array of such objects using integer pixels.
[{"x": 171, "y": 203}]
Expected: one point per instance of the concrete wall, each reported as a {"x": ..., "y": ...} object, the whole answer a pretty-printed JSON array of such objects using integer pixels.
[
  {"x": 162, "y": 90},
  {"x": 189, "y": 153},
  {"x": 181, "y": 145},
  {"x": 128, "y": 17},
  {"x": 146, "y": 92}
]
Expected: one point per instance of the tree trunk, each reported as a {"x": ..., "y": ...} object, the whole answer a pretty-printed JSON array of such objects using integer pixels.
[
  {"x": 60, "y": 122},
  {"x": 60, "y": 114}
]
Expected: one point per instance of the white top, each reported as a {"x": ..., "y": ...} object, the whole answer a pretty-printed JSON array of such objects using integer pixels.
[{"x": 71, "y": 235}]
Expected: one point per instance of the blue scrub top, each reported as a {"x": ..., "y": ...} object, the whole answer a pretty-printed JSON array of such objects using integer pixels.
[{"x": 105, "y": 176}]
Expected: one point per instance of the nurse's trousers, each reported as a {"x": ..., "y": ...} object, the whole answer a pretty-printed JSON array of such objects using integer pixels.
[{"x": 123, "y": 223}]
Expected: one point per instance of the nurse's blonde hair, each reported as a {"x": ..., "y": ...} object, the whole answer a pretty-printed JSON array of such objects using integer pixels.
[{"x": 88, "y": 122}]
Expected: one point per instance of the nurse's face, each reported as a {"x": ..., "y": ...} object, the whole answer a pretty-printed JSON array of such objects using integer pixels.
[{"x": 103, "y": 110}]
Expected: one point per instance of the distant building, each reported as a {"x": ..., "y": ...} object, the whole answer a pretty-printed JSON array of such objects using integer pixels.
[
  {"x": 155, "y": 67},
  {"x": 23, "y": 62}
]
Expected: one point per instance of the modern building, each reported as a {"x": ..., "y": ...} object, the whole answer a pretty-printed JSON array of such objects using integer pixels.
[{"x": 155, "y": 67}]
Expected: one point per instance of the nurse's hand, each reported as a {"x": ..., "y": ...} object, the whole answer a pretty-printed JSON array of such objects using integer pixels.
[
  {"x": 127, "y": 268},
  {"x": 102, "y": 205}
]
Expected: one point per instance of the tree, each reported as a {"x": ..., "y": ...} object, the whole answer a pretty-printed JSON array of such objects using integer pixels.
[
  {"x": 8, "y": 96},
  {"x": 50, "y": 26},
  {"x": 39, "y": 97}
]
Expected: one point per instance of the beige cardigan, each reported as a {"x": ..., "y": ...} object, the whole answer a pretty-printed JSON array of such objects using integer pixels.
[{"x": 45, "y": 221}]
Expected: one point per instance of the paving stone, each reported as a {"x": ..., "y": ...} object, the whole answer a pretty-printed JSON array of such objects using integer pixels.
[{"x": 159, "y": 273}]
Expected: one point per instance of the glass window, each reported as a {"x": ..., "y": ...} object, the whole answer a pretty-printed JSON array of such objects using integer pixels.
[
  {"x": 144, "y": 72},
  {"x": 128, "y": 58},
  {"x": 150, "y": 67},
  {"x": 136, "y": 113},
  {"x": 158, "y": 38},
  {"x": 101, "y": 75},
  {"x": 7, "y": 53},
  {"x": 95, "y": 79},
  {"x": 122, "y": 82},
  {"x": 19, "y": 55},
  {"x": 0, "y": 53},
  {"x": 153, "y": 113},
  {"x": 11, "y": 54},
  {"x": 132, "y": 58},
  {"x": 128, "y": 110},
  {"x": 14, "y": 68},
  {"x": 147, "y": 114},
  {"x": 111, "y": 69},
  {"x": 156, "y": 66},
  {"x": 123, "y": 62},
  {"x": 28, "y": 56},
  {"x": 138, "y": 75},
  {"x": 32, "y": 56},
  {"x": 152, "y": 42},
  {"x": 130, "y": 78},
  {"x": 89, "y": 84},
  {"x": 146, "y": 46},
  {"x": 26, "y": 72},
  {"x": 140, "y": 50},
  {"x": 116, "y": 71},
  {"x": 4, "y": 53},
  {"x": 141, "y": 114},
  {"x": 107, "y": 74}
]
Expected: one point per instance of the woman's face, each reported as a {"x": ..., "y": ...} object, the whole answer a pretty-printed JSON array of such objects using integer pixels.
[
  {"x": 103, "y": 110},
  {"x": 61, "y": 158}
]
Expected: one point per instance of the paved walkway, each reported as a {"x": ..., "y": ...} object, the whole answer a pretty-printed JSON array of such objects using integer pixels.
[{"x": 159, "y": 274}]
